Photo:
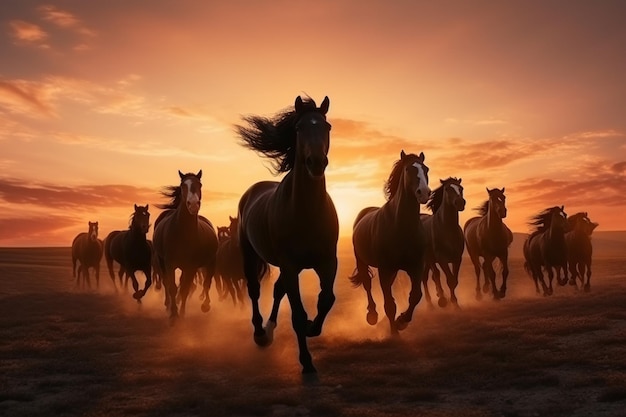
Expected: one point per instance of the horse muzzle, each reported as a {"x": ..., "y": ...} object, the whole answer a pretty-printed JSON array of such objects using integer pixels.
[
  {"x": 316, "y": 165},
  {"x": 193, "y": 208}
]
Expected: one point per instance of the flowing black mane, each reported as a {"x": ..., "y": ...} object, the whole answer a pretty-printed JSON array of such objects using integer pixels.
[
  {"x": 173, "y": 192},
  {"x": 274, "y": 137},
  {"x": 391, "y": 185},
  {"x": 543, "y": 220},
  {"x": 483, "y": 208},
  {"x": 436, "y": 197}
]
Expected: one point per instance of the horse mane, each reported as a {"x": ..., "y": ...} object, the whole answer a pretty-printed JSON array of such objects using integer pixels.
[
  {"x": 274, "y": 137},
  {"x": 391, "y": 185},
  {"x": 542, "y": 220},
  {"x": 574, "y": 218},
  {"x": 436, "y": 197},
  {"x": 173, "y": 192},
  {"x": 483, "y": 208}
]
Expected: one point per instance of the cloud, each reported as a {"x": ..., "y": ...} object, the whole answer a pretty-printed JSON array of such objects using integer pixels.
[
  {"x": 484, "y": 122},
  {"x": 26, "y": 32},
  {"x": 64, "y": 19},
  {"x": 33, "y": 230},
  {"x": 25, "y": 97}
]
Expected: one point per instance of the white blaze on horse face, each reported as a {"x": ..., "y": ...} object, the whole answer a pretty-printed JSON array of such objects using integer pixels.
[
  {"x": 456, "y": 188},
  {"x": 193, "y": 199},
  {"x": 424, "y": 189}
]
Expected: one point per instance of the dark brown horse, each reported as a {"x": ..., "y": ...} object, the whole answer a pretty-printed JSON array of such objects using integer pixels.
[
  {"x": 488, "y": 237},
  {"x": 445, "y": 238},
  {"x": 290, "y": 224},
  {"x": 545, "y": 249},
  {"x": 87, "y": 250},
  {"x": 392, "y": 238},
  {"x": 579, "y": 248},
  {"x": 184, "y": 240},
  {"x": 229, "y": 267},
  {"x": 131, "y": 250}
]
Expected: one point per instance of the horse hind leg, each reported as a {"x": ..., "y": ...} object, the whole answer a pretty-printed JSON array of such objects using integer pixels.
[
  {"x": 298, "y": 319},
  {"x": 426, "y": 291},
  {"x": 363, "y": 276},
  {"x": 136, "y": 295},
  {"x": 442, "y": 300},
  {"x": 476, "y": 262},
  {"x": 386, "y": 278},
  {"x": 452, "y": 279},
  {"x": 414, "y": 298},
  {"x": 254, "y": 267}
]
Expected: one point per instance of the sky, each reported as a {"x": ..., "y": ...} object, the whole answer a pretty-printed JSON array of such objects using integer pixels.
[{"x": 102, "y": 102}]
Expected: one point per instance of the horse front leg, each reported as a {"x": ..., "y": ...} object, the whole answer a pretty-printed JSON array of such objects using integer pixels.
[
  {"x": 587, "y": 266},
  {"x": 415, "y": 296},
  {"x": 299, "y": 319},
  {"x": 279, "y": 293},
  {"x": 476, "y": 262},
  {"x": 186, "y": 282},
  {"x": 505, "y": 274},
  {"x": 452, "y": 279},
  {"x": 252, "y": 267},
  {"x": 206, "y": 287},
  {"x": 169, "y": 284},
  {"x": 386, "y": 278},
  {"x": 326, "y": 298},
  {"x": 550, "y": 279},
  {"x": 442, "y": 301},
  {"x": 426, "y": 291},
  {"x": 490, "y": 276}
]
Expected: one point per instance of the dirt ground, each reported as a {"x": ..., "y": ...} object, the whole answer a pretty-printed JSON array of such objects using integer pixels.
[{"x": 77, "y": 352}]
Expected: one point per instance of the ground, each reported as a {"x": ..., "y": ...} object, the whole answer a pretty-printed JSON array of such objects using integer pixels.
[{"x": 68, "y": 351}]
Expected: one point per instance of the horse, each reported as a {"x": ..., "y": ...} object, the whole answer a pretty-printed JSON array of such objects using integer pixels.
[
  {"x": 579, "y": 248},
  {"x": 392, "y": 238},
  {"x": 131, "y": 250},
  {"x": 184, "y": 240},
  {"x": 229, "y": 265},
  {"x": 291, "y": 224},
  {"x": 87, "y": 249},
  {"x": 445, "y": 238},
  {"x": 545, "y": 248},
  {"x": 488, "y": 237}
]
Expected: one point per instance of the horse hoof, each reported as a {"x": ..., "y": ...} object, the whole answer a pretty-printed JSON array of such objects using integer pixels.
[
  {"x": 262, "y": 340},
  {"x": 587, "y": 287},
  {"x": 550, "y": 291},
  {"x": 205, "y": 307},
  {"x": 442, "y": 302},
  {"x": 138, "y": 294},
  {"x": 372, "y": 318},
  {"x": 401, "y": 324},
  {"x": 309, "y": 370},
  {"x": 502, "y": 293},
  {"x": 486, "y": 288},
  {"x": 312, "y": 330}
]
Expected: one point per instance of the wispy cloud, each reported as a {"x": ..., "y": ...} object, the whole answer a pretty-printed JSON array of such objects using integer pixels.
[
  {"x": 64, "y": 19},
  {"x": 25, "y": 97},
  {"x": 25, "y": 32}
]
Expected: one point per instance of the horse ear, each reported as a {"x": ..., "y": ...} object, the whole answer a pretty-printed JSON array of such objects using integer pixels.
[
  {"x": 460, "y": 179},
  {"x": 324, "y": 106},
  {"x": 231, "y": 218},
  {"x": 421, "y": 157},
  {"x": 180, "y": 174},
  {"x": 487, "y": 188},
  {"x": 402, "y": 154},
  {"x": 135, "y": 207},
  {"x": 441, "y": 181},
  {"x": 147, "y": 205},
  {"x": 199, "y": 174},
  {"x": 299, "y": 104},
  {"x": 503, "y": 188},
  {"x": 586, "y": 215},
  {"x": 562, "y": 208}
]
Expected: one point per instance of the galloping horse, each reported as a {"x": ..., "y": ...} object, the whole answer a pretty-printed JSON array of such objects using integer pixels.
[
  {"x": 392, "y": 238},
  {"x": 229, "y": 265},
  {"x": 87, "y": 249},
  {"x": 292, "y": 224},
  {"x": 545, "y": 248},
  {"x": 579, "y": 248},
  {"x": 185, "y": 240},
  {"x": 488, "y": 237},
  {"x": 131, "y": 250},
  {"x": 445, "y": 238}
]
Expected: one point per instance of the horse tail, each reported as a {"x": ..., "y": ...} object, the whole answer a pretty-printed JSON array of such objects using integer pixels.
[{"x": 361, "y": 273}]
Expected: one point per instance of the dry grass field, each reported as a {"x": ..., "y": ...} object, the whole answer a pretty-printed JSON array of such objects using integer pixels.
[{"x": 71, "y": 352}]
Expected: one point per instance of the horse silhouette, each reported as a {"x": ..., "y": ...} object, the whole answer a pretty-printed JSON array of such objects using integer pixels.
[
  {"x": 445, "y": 238},
  {"x": 184, "y": 240},
  {"x": 392, "y": 238},
  {"x": 545, "y": 248},
  {"x": 488, "y": 237},
  {"x": 291, "y": 224},
  {"x": 87, "y": 250},
  {"x": 229, "y": 266},
  {"x": 131, "y": 250},
  {"x": 579, "y": 248}
]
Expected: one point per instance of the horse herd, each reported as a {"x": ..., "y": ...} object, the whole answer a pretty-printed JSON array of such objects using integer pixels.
[{"x": 293, "y": 225}]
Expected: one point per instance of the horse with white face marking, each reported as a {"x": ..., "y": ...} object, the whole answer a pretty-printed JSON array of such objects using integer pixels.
[
  {"x": 445, "y": 238},
  {"x": 87, "y": 250},
  {"x": 184, "y": 240},
  {"x": 392, "y": 238}
]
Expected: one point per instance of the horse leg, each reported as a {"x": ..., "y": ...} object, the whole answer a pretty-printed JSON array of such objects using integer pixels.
[
  {"x": 97, "y": 269},
  {"x": 573, "y": 271},
  {"x": 79, "y": 275},
  {"x": 252, "y": 267},
  {"x": 131, "y": 274},
  {"x": 386, "y": 278},
  {"x": 476, "y": 263},
  {"x": 587, "y": 266},
  {"x": 426, "y": 290},
  {"x": 86, "y": 276},
  {"x": 298, "y": 318},
  {"x": 326, "y": 297},
  {"x": 206, "y": 286},
  {"x": 73, "y": 266},
  {"x": 490, "y": 277},
  {"x": 414, "y": 298},
  {"x": 148, "y": 274},
  {"x": 442, "y": 300},
  {"x": 169, "y": 284},
  {"x": 504, "y": 260},
  {"x": 550, "y": 279},
  {"x": 110, "y": 268},
  {"x": 279, "y": 293},
  {"x": 452, "y": 279}
]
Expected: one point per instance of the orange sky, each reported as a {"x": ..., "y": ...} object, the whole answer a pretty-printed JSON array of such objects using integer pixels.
[{"x": 102, "y": 102}]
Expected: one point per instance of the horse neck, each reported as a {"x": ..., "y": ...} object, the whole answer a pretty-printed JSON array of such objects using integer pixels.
[
  {"x": 494, "y": 221},
  {"x": 307, "y": 193},
  {"x": 185, "y": 219},
  {"x": 555, "y": 233},
  {"x": 136, "y": 233},
  {"x": 404, "y": 203},
  {"x": 447, "y": 214}
]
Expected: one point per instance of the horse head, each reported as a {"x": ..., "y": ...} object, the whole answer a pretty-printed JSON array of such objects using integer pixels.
[
  {"x": 453, "y": 193},
  {"x": 312, "y": 135},
  {"x": 558, "y": 218},
  {"x": 497, "y": 201},
  {"x": 233, "y": 228},
  {"x": 415, "y": 176},
  {"x": 191, "y": 191},
  {"x": 93, "y": 231},
  {"x": 223, "y": 233},
  {"x": 141, "y": 218}
]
